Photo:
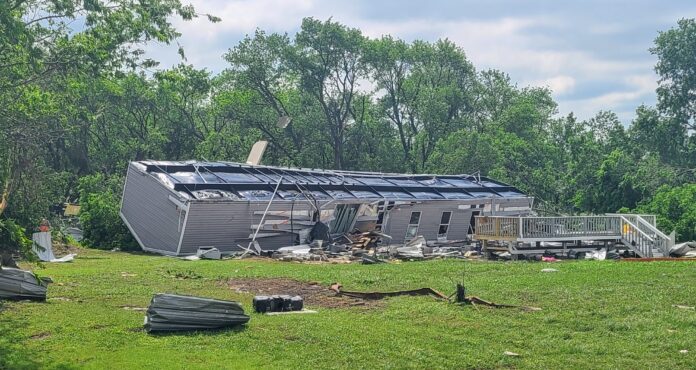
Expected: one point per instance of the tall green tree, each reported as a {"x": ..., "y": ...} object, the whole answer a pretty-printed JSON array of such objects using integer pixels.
[{"x": 676, "y": 53}]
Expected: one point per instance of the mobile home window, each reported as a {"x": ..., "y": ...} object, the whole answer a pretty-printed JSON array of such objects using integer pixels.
[
  {"x": 413, "y": 223},
  {"x": 444, "y": 225}
]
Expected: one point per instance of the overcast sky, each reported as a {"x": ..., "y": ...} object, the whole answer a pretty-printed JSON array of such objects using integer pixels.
[{"x": 592, "y": 54}]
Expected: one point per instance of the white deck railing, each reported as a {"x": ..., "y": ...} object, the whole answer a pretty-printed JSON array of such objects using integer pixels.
[{"x": 636, "y": 231}]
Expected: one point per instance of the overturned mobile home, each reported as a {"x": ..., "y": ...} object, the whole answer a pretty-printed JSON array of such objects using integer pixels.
[{"x": 174, "y": 208}]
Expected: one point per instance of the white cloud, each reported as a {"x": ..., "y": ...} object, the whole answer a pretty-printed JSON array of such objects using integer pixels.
[
  {"x": 244, "y": 16},
  {"x": 559, "y": 85}
]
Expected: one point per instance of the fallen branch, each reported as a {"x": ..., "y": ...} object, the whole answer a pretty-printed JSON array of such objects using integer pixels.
[{"x": 381, "y": 295}]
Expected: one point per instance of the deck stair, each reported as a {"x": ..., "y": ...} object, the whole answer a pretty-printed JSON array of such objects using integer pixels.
[{"x": 636, "y": 232}]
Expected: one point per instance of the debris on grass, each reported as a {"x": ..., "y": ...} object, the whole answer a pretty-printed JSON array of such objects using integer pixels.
[
  {"x": 313, "y": 293},
  {"x": 171, "y": 312},
  {"x": 549, "y": 270},
  {"x": 512, "y": 354},
  {"x": 21, "y": 284},
  {"x": 277, "y": 303},
  {"x": 43, "y": 248},
  {"x": 683, "y": 307}
]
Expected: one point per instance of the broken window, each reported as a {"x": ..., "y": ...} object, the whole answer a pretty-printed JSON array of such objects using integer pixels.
[
  {"x": 444, "y": 225},
  {"x": 413, "y": 224}
]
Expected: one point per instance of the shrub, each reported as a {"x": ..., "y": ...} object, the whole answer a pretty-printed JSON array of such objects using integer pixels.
[
  {"x": 13, "y": 240},
  {"x": 101, "y": 225}
]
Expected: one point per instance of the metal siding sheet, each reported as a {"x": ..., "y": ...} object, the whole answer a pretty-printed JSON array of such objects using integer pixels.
[{"x": 149, "y": 212}]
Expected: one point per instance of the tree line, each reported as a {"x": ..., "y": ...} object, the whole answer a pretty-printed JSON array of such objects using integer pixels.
[{"x": 79, "y": 103}]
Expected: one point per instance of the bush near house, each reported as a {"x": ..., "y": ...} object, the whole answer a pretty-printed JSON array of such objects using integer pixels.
[{"x": 101, "y": 224}]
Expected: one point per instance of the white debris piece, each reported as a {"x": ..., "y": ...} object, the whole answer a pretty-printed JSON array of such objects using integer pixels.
[
  {"x": 43, "y": 248},
  {"x": 210, "y": 253},
  {"x": 599, "y": 255}
]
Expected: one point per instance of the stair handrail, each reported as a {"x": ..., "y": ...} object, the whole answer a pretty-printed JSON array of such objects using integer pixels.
[
  {"x": 663, "y": 236},
  {"x": 640, "y": 245}
]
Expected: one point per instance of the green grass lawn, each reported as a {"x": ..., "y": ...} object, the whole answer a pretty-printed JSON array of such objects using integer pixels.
[{"x": 596, "y": 314}]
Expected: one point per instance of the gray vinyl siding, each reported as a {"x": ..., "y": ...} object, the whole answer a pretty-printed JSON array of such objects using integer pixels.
[
  {"x": 151, "y": 216},
  {"x": 225, "y": 224},
  {"x": 431, "y": 214}
]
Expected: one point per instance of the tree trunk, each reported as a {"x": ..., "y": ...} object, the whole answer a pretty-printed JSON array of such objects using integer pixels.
[
  {"x": 338, "y": 152},
  {"x": 6, "y": 190}
]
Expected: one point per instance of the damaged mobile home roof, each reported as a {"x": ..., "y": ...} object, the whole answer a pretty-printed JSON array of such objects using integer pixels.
[{"x": 234, "y": 181}]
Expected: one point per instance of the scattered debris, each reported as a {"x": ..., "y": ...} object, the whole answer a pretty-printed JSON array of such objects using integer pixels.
[
  {"x": 210, "y": 253},
  {"x": 170, "y": 312},
  {"x": 412, "y": 249},
  {"x": 126, "y": 274},
  {"x": 549, "y": 259},
  {"x": 20, "y": 284},
  {"x": 685, "y": 351},
  {"x": 513, "y": 354},
  {"x": 313, "y": 293},
  {"x": 549, "y": 270},
  {"x": 687, "y": 250},
  {"x": 336, "y": 287},
  {"x": 371, "y": 260},
  {"x": 42, "y": 246},
  {"x": 369, "y": 247},
  {"x": 599, "y": 255},
  {"x": 684, "y": 307}
]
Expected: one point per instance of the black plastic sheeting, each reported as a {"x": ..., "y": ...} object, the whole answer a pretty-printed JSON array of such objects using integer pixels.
[
  {"x": 171, "y": 312},
  {"x": 20, "y": 284}
]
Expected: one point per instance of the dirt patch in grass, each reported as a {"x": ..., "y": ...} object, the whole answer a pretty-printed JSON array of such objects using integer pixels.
[
  {"x": 314, "y": 294},
  {"x": 40, "y": 336}
]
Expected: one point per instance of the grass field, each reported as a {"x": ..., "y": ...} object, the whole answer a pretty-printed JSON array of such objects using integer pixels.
[{"x": 596, "y": 314}]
